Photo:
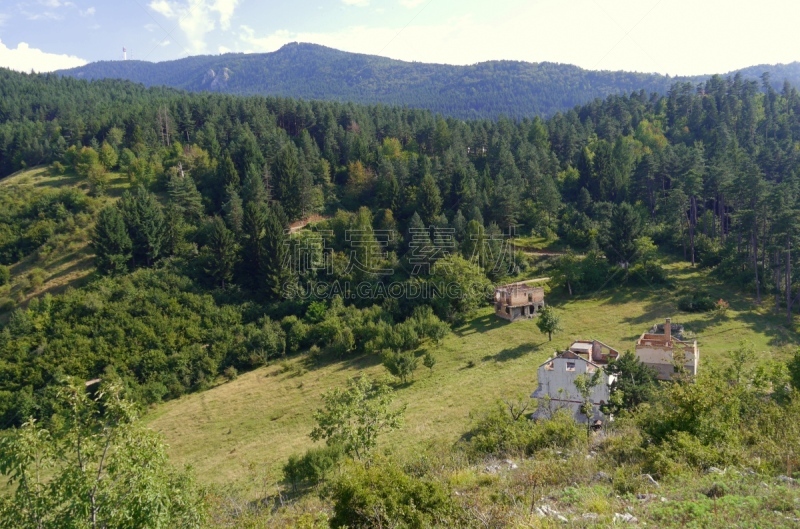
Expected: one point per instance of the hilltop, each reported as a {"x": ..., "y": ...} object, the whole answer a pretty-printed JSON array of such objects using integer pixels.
[{"x": 483, "y": 90}]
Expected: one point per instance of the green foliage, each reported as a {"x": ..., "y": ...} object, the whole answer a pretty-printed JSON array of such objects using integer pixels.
[
  {"x": 400, "y": 365},
  {"x": 5, "y": 275},
  {"x": 313, "y": 467},
  {"x": 382, "y": 495},
  {"x": 429, "y": 360},
  {"x": 144, "y": 219},
  {"x": 697, "y": 301},
  {"x": 111, "y": 243},
  {"x": 354, "y": 417},
  {"x": 499, "y": 433},
  {"x": 223, "y": 252},
  {"x": 93, "y": 466},
  {"x": 462, "y": 287},
  {"x": 548, "y": 322},
  {"x": 635, "y": 383}
]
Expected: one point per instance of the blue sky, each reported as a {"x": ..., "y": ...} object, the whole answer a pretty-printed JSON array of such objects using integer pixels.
[{"x": 678, "y": 37}]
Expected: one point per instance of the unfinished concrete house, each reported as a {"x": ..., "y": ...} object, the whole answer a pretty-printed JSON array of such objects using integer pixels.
[
  {"x": 518, "y": 301},
  {"x": 557, "y": 376},
  {"x": 663, "y": 349}
]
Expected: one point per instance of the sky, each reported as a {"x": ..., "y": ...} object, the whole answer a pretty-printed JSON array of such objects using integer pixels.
[{"x": 676, "y": 37}]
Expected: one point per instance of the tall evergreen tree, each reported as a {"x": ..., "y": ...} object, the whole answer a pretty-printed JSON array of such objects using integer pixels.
[
  {"x": 288, "y": 181},
  {"x": 429, "y": 200},
  {"x": 276, "y": 269},
  {"x": 223, "y": 252},
  {"x": 144, "y": 220},
  {"x": 111, "y": 242}
]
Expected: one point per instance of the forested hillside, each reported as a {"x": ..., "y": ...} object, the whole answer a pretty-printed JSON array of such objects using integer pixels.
[
  {"x": 308, "y": 71},
  {"x": 198, "y": 276},
  {"x": 483, "y": 90}
]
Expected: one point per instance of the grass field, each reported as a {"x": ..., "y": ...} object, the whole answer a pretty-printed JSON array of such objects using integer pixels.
[
  {"x": 66, "y": 260},
  {"x": 246, "y": 428}
]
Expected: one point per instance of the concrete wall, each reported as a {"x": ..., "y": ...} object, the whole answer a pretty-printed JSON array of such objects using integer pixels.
[
  {"x": 557, "y": 381},
  {"x": 660, "y": 358}
]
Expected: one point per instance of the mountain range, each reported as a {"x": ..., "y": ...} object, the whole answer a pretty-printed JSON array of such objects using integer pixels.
[{"x": 484, "y": 90}]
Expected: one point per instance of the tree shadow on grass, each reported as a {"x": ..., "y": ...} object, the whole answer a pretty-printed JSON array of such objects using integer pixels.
[
  {"x": 480, "y": 325},
  {"x": 513, "y": 353}
]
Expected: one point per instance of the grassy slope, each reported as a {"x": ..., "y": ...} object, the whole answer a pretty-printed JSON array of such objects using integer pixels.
[
  {"x": 70, "y": 261},
  {"x": 261, "y": 418}
]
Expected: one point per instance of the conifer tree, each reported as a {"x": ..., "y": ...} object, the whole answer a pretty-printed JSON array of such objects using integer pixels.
[
  {"x": 228, "y": 175},
  {"x": 144, "y": 220},
  {"x": 223, "y": 252},
  {"x": 111, "y": 242},
  {"x": 288, "y": 182},
  {"x": 429, "y": 199},
  {"x": 234, "y": 211},
  {"x": 254, "y": 224},
  {"x": 277, "y": 266}
]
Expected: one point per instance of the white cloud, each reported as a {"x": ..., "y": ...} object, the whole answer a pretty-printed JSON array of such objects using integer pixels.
[
  {"x": 89, "y": 12},
  {"x": 411, "y": 4},
  {"x": 196, "y": 17},
  {"x": 357, "y": 3},
  {"x": 24, "y": 59}
]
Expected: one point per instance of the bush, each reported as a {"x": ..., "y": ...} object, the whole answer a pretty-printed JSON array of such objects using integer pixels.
[
  {"x": 647, "y": 274},
  {"x": 498, "y": 433},
  {"x": 5, "y": 275},
  {"x": 383, "y": 495},
  {"x": 231, "y": 373},
  {"x": 313, "y": 467},
  {"x": 697, "y": 302}
]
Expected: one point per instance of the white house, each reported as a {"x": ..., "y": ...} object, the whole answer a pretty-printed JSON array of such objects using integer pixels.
[{"x": 557, "y": 387}]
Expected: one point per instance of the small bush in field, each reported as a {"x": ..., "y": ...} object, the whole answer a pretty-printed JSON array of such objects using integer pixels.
[{"x": 231, "y": 373}]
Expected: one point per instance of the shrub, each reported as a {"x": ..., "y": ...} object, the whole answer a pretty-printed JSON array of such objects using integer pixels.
[
  {"x": 231, "y": 373},
  {"x": 383, "y": 495},
  {"x": 647, "y": 274},
  {"x": 696, "y": 302},
  {"x": 400, "y": 365},
  {"x": 313, "y": 467},
  {"x": 498, "y": 433},
  {"x": 5, "y": 275}
]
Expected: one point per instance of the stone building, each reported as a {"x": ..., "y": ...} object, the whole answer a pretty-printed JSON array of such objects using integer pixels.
[
  {"x": 518, "y": 301},
  {"x": 663, "y": 349}
]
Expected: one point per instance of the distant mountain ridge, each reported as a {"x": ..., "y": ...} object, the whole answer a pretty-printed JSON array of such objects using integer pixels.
[{"x": 484, "y": 90}]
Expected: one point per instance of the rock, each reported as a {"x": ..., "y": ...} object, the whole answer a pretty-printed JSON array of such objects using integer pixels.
[
  {"x": 562, "y": 518},
  {"x": 589, "y": 516},
  {"x": 492, "y": 469},
  {"x": 546, "y": 510},
  {"x": 625, "y": 518},
  {"x": 511, "y": 464},
  {"x": 714, "y": 470},
  {"x": 664, "y": 500},
  {"x": 786, "y": 479},
  {"x": 650, "y": 480},
  {"x": 646, "y": 497},
  {"x": 601, "y": 476}
]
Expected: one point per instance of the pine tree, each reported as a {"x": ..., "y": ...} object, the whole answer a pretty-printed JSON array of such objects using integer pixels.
[
  {"x": 254, "y": 224},
  {"x": 111, "y": 242},
  {"x": 144, "y": 220},
  {"x": 276, "y": 268},
  {"x": 223, "y": 252},
  {"x": 234, "y": 212},
  {"x": 253, "y": 189},
  {"x": 288, "y": 182},
  {"x": 429, "y": 199},
  {"x": 183, "y": 193},
  {"x": 228, "y": 175}
]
